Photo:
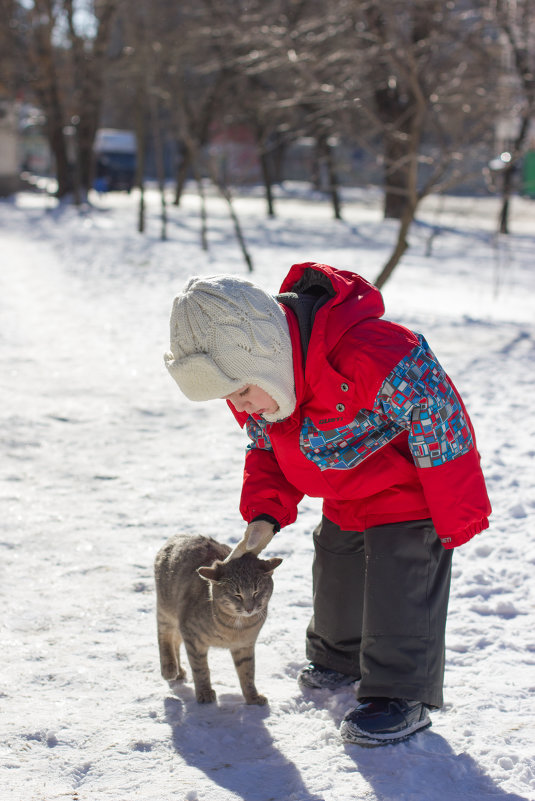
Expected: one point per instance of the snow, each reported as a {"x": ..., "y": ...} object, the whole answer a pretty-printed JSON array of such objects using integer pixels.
[{"x": 103, "y": 460}]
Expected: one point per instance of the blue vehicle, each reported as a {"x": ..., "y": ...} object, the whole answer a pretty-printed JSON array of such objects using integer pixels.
[{"x": 115, "y": 160}]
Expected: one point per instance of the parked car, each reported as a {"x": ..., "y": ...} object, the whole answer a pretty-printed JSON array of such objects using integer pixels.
[{"x": 115, "y": 160}]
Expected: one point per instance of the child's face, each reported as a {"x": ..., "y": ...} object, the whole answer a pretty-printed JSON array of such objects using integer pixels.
[{"x": 253, "y": 400}]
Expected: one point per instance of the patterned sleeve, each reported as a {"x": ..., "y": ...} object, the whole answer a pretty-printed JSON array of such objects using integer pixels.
[
  {"x": 418, "y": 397},
  {"x": 258, "y": 435}
]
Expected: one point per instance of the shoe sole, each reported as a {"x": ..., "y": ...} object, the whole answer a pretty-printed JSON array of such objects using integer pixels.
[
  {"x": 353, "y": 735},
  {"x": 302, "y": 683}
]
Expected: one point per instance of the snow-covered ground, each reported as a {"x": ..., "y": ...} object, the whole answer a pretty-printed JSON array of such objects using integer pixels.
[{"x": 102, "y": 460}]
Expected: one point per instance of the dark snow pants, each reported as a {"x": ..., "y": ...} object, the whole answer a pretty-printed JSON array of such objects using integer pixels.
[{"x": 380, "y": 606}]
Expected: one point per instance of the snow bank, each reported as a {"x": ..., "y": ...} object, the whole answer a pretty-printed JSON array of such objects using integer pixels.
[{"x": 103, "y": 460}]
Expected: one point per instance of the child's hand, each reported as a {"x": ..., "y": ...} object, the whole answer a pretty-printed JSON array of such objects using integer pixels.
[{"x": 256, "y": 537}]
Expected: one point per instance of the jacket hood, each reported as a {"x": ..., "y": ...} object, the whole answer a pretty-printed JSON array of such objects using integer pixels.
[
  {"x": 342, "y": 299},
  {"x": 325, "y": 303}
]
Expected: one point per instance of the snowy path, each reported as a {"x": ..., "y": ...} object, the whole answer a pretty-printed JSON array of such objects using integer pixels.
[{"x": 102, "y": 461}]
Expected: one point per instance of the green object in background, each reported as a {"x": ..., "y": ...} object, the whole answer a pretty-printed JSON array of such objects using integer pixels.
[{"x": 528, "y": 174}]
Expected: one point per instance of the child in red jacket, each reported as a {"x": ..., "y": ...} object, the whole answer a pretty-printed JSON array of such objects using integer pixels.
[{"x": 343, "y": 405}]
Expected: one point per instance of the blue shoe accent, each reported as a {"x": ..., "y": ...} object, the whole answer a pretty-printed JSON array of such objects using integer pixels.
[{"x": 382, "y": 721}]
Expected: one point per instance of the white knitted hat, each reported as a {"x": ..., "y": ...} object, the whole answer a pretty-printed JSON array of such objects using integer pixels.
[{"x": 226, "y": 333}]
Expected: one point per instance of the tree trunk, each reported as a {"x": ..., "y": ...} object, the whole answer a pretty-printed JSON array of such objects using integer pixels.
[
  {"x": 261, "y": 139},
  {"x": 182, "y": 174},
  {"x": 396, "y": 177},
  {"x": 48, "y": 93},
  {"x": 333, "y": 188},
  {"x": 324, "y": 168},
  {"x": 225, "y": 192},
  {"x": 141, "y": 138},
  {"x": 85, "y": 137},
  {"x": 88, "y": 67},
  {"x": 506, "y": 198},
  {"x": 56, "y": 140},
  {"x": 518, "y": 37},
  {"x": 268, "y": 183},
  {"x": 159, "y": 158},
  {"x": 204, "y": 213},
  {"x": 278, "y": 155},
  {"x": 396, "y": 115},
  {"x": 509, "y": 174},
  {"x": 399, "y": 99},
  {"x": 399, "y": 249}
]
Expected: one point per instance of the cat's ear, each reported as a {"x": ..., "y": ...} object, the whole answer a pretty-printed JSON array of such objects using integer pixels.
[
  {"x": 269, "y": 565},
  {"x": 210, "y": 573}
]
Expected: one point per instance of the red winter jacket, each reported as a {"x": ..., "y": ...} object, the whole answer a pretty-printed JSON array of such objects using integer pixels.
[{"x": 379, "y": 431}]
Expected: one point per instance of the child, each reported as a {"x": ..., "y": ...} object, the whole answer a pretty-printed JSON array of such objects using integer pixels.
[{"x": 343, "y": 405}]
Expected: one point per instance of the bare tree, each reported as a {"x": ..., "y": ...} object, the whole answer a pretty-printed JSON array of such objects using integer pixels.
[
  {"x": 10, "y": 73},
  {"x": 408, "y": 80},
  {"x": 47, "y": 66},
  {"x": 421, "y": 75},
  {"x": 64, "y": 77},
  {"x": 89, "y": 51},
  {"x": 517, "y": 23}
]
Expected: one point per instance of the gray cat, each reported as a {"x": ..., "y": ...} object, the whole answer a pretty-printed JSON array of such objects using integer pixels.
[{"x": 204, "y": 601}]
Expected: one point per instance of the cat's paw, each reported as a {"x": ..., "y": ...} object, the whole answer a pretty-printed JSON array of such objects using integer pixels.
[
  {"x": 170, "y": 672},
  {"x": 205, "y": 696},
  {"x": 259, "y": 700}
]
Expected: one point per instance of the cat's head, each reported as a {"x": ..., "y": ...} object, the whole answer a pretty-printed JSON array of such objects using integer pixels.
[{"x": 241, "y": 587}]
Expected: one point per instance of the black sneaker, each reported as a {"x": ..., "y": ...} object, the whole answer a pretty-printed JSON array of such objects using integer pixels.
[
  {"x": 381, "y": 721},
  {"x": 316, "y": 677}
]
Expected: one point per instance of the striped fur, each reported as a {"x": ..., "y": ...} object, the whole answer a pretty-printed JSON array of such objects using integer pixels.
[{"x": 205, "y": 602}]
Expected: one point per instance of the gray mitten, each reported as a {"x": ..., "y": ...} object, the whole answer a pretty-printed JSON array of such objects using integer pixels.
[{"x": 257, "y": 536}]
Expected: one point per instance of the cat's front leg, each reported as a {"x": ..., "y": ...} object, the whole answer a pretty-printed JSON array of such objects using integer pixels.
[
  {"x": 198, "y": 659},
  {"x": 169, "y": 646},
  {"x": 245, "y": 667}
]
